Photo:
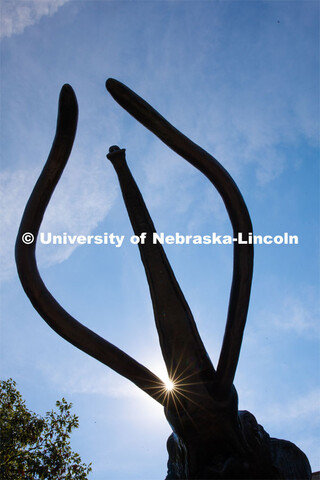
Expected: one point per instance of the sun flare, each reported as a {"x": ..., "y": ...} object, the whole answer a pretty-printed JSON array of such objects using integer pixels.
[{"x": 169, "y": 385}]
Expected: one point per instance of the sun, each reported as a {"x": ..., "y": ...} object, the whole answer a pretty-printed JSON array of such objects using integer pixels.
[{"x": 169, "y": 385}]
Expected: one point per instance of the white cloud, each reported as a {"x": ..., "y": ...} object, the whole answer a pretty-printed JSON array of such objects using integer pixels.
[
  {"x": 16, "y": 15},
  {"x": 92, "y": 379},
  {"x": 305, "y": 407},
  {"x": 298, "y": 315},
  {"x": 297, "y": 420},
  {"x": 295, "y": 313},
  {"x": 85, "y": 375},
  {"x": 80, "y": 202},
  {"x": 13, "y": 192}
]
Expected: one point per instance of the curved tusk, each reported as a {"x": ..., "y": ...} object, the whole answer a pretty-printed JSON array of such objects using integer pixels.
[
  {"x": 182, "y": 348},
  {"x": 50, "y": 310},
  {"x": 236, "y": 208}
]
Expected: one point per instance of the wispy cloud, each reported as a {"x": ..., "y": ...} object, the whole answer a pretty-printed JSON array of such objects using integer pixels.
[
  {"x": 295, "y": 313},
  {"x": 92, "y": 380},
  {"x": 296, "y": 420},
  {"x": 80, "y": 202},
  {"x": 13, "y": 191},
  {"x": 16, "y": 15},
  {"x": 304, "y": 408},
  {"x": 298, "y": 315},
  {"x": 85, "y": 375}
]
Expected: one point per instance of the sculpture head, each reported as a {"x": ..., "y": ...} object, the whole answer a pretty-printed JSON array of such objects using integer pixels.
[{"x": 210, "y": 439}]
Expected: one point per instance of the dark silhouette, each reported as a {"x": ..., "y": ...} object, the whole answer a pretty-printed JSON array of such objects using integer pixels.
[{"x": 211, "y": 439}]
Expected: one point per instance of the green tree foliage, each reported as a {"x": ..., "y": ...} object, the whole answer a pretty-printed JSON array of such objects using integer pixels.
[{"x": 33, "y": 447}]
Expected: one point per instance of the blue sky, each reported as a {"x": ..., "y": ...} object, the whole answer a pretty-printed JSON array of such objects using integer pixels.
[{"x": 241, "y": 79}]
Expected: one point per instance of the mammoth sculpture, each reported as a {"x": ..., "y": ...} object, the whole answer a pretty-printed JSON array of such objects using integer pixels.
[{"x": 211, "y": 439}]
